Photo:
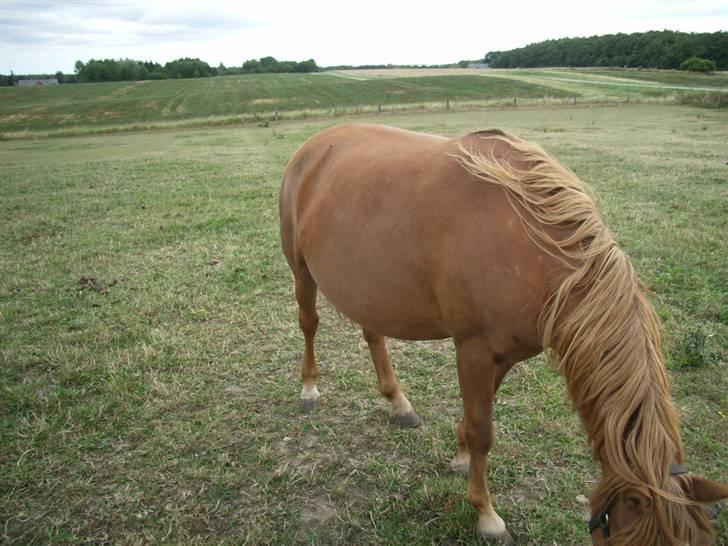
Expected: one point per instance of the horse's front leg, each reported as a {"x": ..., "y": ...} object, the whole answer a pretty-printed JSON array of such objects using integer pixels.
[
  {"x": 479, "y": 377},
  {"x": 460, "y": 464}
]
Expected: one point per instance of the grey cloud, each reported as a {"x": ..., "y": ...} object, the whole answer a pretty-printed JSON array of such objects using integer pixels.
[{"x": 75, "y": 23}]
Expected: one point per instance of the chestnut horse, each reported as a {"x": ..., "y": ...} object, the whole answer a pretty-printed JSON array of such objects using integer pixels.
[{"x": 488, "y": 240}]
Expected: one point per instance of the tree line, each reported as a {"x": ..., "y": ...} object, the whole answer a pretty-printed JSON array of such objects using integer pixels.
[
  {"x": 114, "y": 70},
  {"x": 656, "y": 49},
  {"x": 130, "y": 70}
]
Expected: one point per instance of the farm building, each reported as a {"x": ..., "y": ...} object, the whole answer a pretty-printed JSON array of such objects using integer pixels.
[{"x": 37, "y": 81}]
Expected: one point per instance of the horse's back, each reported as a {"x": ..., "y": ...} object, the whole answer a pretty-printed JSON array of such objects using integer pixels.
[{"x": 400, "y": 238}]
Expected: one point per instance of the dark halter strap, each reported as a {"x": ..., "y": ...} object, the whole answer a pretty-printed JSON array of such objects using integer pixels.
[{"x": 601, "y": 520}]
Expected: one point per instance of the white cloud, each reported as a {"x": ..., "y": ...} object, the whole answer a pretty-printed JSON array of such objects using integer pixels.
[{"x": 45, "y": 36}]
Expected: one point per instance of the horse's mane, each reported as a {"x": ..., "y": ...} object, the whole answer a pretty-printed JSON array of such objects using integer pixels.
[{"x": 600, "y": 331}]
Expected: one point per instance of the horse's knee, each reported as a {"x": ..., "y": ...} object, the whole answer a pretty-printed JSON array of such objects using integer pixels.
[{"x": 478, "y": 439}]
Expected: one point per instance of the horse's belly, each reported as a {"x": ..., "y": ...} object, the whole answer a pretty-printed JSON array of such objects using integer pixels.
[{"x": 385, "y": 297}]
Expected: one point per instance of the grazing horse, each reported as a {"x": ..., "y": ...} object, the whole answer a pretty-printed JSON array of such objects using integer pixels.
[{"x": 488, "y": 240}]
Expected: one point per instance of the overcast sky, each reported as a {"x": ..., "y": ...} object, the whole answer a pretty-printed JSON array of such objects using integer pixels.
[{"x": 47, "y": 36}]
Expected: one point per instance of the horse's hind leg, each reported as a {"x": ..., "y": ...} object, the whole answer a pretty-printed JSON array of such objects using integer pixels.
[
  {"x": 403, "y": 413},
  {"x": 308, "y": 319}
]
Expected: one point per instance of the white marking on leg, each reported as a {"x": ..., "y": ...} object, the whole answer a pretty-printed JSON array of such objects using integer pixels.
[
  {"x": 461, "y": 463},
  {"x": 310, "y": 392},
  {"x": 401, "y": 405},
  {"x": 490, "y": 523}
]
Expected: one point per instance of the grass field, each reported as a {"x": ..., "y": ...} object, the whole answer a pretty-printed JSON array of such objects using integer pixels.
[
  {"x": 149, "y": 348},
  {"x": 125, "y": 103},
  {"x": 105, "y": 107}
]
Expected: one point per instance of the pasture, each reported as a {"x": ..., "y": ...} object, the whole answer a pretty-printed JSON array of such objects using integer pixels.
[
  {"x": 119, "y": 106},
  {"x": 150, "y": 352}
]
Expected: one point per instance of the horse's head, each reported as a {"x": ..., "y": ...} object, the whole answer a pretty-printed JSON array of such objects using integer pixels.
[{"x": 638, "y": 515}]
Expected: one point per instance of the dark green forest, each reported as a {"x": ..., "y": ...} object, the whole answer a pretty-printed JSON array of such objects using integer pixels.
[
  {"x": 115, "y": 70},
  {"x": 656, "y": 49},
  {"x": 129, "y": 70}
]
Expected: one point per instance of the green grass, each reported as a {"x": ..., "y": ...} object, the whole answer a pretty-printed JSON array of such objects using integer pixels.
[
  {"x": 149, "y": 347},
  {"x": 637, "y": 80},
  {"x": 106, "y": 107},
  {"x": 110, "y": 104},
  {"x": 718, "y": 80}
]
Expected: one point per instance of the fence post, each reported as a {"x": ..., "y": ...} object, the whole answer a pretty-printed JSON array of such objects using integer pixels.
[
  {"x": 515, "y": 103},
  {"x": 447, "y": 104},
  {"x": 574, "y": 99},
  {"x": 379, "y": 109}
]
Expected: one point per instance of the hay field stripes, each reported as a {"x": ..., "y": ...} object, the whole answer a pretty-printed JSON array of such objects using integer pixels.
[
  {"x": 622, "y": 83},
  {"x": 582, "y": 76},
  {"x": 122, "y": 104},
  {"x": 72, "y": 109}
]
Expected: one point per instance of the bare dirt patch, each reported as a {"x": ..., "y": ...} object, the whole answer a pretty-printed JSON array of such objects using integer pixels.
[{"x": 317, "y": 511}]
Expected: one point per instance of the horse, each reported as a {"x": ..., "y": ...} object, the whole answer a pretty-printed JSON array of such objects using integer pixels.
[{"x": 488, "y": 240}]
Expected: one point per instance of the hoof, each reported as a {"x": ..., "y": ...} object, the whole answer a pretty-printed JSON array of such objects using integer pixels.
[
  {"x": 308, "y": 405},
  {"x": 460, "y": 464},
  {"x": 410, "y": 419},
  {"x": 492, "y": 527},
  {"x": 462, "y": 469},
  {"x": 503, "y": 540}
]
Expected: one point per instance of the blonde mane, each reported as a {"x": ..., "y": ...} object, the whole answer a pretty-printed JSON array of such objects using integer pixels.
[{"x": 601, "y": 332}]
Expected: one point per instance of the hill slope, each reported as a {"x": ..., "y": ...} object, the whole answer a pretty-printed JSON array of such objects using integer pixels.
[{"x": 97, "y": 107}]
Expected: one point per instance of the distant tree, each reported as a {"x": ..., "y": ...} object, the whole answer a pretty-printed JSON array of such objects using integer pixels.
[
  {"x": 306, "y": 66},
  {"x": 251, "y": 66},
  {"x": 188, "y": 68},
  {"x": 7, "y": 80},
  {"x": 493, "y": 58},
  {"x": 272, "y": 65},
  {"x": 269, "y": 64},
  {"x": 697, "y": 64}
]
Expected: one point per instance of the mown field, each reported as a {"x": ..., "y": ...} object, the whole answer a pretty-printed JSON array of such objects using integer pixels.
[
  {"x": 104, "y": 107},
  {"x": 149, "y": 347},
  {"x": 139, "y": 102}
]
